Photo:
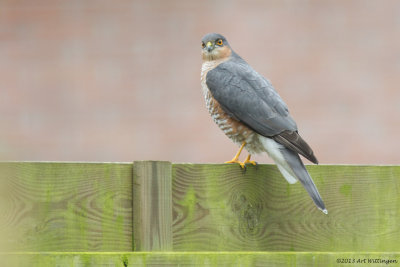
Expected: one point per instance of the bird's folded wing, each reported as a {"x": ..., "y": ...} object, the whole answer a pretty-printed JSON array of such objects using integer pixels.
[
  {"x": 294, "y": 142},
  {"x": 250, "y": 98}
]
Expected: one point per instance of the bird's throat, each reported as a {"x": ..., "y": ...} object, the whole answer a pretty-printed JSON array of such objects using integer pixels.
[{"x": 217, "y": 54}]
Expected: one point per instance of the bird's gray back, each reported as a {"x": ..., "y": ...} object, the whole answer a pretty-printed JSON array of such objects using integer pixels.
[{"x": 249, "y": 97}]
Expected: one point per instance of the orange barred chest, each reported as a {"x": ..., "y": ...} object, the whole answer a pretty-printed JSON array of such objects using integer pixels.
[{"x": 235, "y": 130}]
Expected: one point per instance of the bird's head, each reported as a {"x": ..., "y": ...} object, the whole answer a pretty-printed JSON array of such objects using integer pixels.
[{"x": 215, "y": 46}]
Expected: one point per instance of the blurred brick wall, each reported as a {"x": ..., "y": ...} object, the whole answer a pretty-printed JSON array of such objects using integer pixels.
[{"x": 119, "y": 80}]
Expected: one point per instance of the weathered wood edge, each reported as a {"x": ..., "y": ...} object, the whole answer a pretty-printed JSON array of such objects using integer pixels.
[
  {"x": 152, "y": 206},
  {"x": 188, "y": 163},
  {"x": 125, "y": 259}
]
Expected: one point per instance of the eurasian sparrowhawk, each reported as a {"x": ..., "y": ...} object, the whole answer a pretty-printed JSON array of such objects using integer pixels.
[{"x": 252, "y": 114}]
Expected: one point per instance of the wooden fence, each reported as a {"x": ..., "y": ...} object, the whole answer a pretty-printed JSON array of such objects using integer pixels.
[{"x": 157, "y": 213}]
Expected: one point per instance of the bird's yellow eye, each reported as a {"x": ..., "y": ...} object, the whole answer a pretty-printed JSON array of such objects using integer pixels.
[
  {"x": 219, "y": 42},
  {"x": 203, "y": 45}
]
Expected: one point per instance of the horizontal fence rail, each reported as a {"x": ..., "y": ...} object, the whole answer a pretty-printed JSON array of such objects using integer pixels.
[
  {"x": 258, "y": 259},
  {"x": 151, "y": 206}
]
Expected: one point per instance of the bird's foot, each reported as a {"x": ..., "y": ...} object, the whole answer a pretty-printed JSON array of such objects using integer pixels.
[
  {"x": 243, "y": 164},
  {"x": 235, "y": 160},
  {"x": 247, "y": 161}
]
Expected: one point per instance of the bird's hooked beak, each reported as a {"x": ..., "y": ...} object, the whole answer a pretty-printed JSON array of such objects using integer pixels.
[{"x": 209, "y": 46}]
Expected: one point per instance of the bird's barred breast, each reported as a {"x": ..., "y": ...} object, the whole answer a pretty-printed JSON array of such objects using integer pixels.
[{"x": 234, "y": 129}]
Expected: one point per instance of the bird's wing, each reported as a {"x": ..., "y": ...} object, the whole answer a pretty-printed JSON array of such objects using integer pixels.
[
  {"x": 293, "y": 141},
  {"x": 250, "y": 98}
]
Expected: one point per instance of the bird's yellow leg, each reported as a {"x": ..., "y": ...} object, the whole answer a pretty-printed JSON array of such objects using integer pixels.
[
  {"x": 236, "y": 158},
  {"x": 247, "y": 160}
]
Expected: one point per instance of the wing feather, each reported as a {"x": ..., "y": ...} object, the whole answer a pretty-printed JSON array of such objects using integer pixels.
[
  {"x": 250, "y": 98},
  {"x": 247, "y": 95},
  {"x": 293, "y": 141}
]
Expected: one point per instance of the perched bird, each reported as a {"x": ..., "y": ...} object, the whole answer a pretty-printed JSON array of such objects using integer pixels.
[{"x": 252, "y": 114}]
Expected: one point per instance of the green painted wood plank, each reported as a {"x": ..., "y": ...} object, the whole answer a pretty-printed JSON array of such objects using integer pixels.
[
  {"x": 65, "y": 206},
  {"x": 222, "y": 208},
  {"x": 152, "y": 206},
  {"x": 215, "y": 207},
  {"x": 216, "y": 259}
]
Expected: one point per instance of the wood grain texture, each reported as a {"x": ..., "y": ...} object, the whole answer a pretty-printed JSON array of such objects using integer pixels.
[
  {"x": 222, "y": 208},
  {"x": 213, "y": 259},
  {"x": 152, "y": 206},
  {"x": 195, "y": 207},
  {"x": 66, "y": 206}
]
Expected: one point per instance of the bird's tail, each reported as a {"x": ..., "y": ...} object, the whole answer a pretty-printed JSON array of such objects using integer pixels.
[
  {"x": 303, "y": 176},
  {"x": 292, "y": 168}
]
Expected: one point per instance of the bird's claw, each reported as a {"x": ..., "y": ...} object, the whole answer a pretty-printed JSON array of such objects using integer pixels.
[
  {"x": 242, "y": 164},
  {"x": 252, "y": 162},
  {"x": 247, "y": 161}
]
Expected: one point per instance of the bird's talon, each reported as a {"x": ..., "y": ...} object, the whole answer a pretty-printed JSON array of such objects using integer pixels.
[
  {"x": 247, "y": 160},
  {"x": 252, "y": 162},
  {"x": 236, "y": 158},
  {"x": 242, "y": 164}
]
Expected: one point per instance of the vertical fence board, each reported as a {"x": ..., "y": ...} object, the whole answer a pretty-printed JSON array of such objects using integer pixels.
[{"x": 152, "y": 206}]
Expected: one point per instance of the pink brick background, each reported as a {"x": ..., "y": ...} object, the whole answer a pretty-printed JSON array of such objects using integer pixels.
[{"x": 120, "y": 80}]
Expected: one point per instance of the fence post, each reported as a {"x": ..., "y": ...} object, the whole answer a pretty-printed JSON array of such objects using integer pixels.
[{"x": 152, "y": 206}]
